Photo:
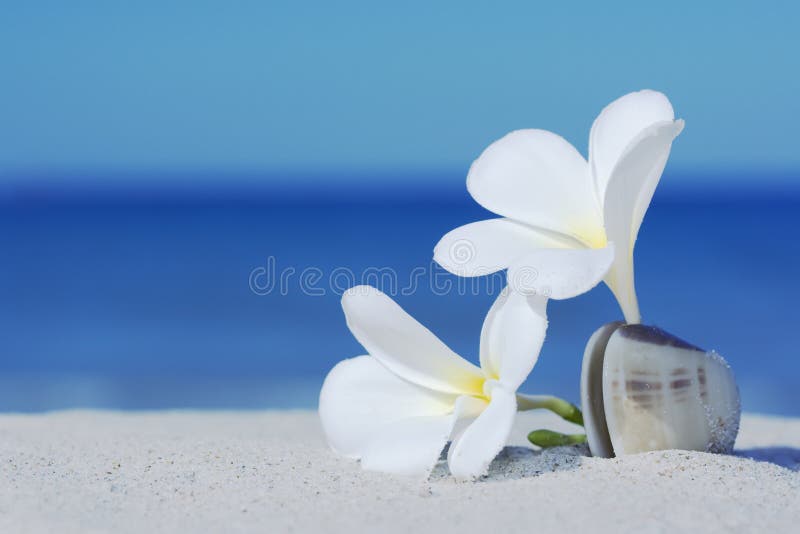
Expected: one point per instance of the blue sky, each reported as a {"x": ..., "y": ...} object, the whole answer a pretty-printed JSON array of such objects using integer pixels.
[{"x": 288, "y": 86}]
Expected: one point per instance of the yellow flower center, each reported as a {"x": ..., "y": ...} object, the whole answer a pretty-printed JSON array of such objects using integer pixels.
[{"x": 591, "y": 235}]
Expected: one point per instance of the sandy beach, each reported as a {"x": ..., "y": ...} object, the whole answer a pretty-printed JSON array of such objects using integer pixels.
[{"x": 271, "y": 472}]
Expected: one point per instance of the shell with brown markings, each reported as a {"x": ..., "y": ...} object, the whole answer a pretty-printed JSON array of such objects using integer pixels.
[{"x": 643, "y": 389}]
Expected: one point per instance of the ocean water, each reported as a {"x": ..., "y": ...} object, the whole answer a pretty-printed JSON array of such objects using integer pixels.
[{"x": 231, "y": 300}]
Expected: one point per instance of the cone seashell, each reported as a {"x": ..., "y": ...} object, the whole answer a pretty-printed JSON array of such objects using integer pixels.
[{"x": 643, "y": 389}]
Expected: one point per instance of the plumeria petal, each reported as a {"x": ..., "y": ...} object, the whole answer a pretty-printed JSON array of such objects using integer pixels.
[
  {"x": 484, "y": 247},
  {"x": 404, "y": 346},
  {"x": 471, "y": 453},
  {"x": 617, "y": 126},
  {"x": 630, "y": 189},
  {"x": 512, "y": 337},
  {"x": 537, "y": 177},
  {"x": 413, "y": 446},
  {"x": 560, "y": 273},
  {"x": 408, "y": 447},
  {"x": 360, "y": 398}
]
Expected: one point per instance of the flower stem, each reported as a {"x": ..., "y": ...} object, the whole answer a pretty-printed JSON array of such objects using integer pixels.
[
  {"x": 565, "y": 410},
  {"x": 548, "y": 438}
]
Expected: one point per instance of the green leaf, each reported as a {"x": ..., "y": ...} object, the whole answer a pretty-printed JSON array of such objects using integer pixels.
[{"x": 548, "y": 438}]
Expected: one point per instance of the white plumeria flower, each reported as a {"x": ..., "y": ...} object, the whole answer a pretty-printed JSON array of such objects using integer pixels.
[
  {"x": 396, "y": 408},
  {"x": 568, "y": 223}
]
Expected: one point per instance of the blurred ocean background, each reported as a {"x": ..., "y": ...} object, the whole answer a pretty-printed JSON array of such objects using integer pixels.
[
  {"x": 135, "y": 301},
  {"x": 154, "y": 160}
]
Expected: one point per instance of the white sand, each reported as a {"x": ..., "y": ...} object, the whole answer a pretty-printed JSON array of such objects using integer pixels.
[{"x": 271, "y": 472}]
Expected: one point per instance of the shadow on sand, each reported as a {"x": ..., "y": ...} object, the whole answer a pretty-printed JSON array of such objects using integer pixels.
[
  {"x": 522, "y": 462},
  {"x": 788, "y": 457}
]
